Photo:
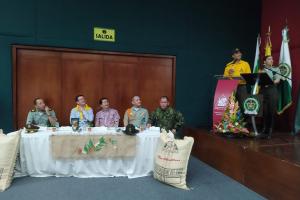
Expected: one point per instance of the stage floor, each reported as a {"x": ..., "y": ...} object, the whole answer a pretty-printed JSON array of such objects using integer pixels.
[
  {"x": 282, "y": 145},
  {"x": 269, "y": 167}
]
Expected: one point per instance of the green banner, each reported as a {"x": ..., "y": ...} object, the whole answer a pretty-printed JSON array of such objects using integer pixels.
[{"x": 297, "y": 116}]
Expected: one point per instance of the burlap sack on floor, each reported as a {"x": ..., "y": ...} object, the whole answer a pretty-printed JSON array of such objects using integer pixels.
[
  {"x": 9, "y": 148},
  {"x": 171, "y": 160}
]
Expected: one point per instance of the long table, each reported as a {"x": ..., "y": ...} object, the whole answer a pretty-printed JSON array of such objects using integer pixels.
[{"x": 36, "y": 159}]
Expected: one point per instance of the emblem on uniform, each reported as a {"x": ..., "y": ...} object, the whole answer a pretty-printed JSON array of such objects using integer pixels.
[{"x": 251, "y": 106}]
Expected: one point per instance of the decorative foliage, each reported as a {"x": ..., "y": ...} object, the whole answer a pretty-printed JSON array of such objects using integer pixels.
[
  {"x": 91, "y": 147},
  {"x": 232, "y": 120}
]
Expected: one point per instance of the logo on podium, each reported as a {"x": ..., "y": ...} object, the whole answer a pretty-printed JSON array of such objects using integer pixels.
[
  {"x": 251, "y": 106},
  {"x": 222, "y": 101}
]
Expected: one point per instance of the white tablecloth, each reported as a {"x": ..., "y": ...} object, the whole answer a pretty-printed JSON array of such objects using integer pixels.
[{"x": 36, "y": 159}]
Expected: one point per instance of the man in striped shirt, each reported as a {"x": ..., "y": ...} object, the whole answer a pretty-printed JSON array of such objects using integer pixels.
[{"x": 107, "y": 116}]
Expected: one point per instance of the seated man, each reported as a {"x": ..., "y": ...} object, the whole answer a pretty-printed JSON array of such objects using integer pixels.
[
  {"x": 166, "y": 117},
  {"x": 41, "y": 115},
  {"x": 136, "y": 115},
  {"x": 82, "y": 112},
  {"x": 107, "y": 116}
]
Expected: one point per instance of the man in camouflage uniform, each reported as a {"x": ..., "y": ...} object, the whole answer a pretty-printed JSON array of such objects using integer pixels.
[
  {"x": 41, "y": 115},
  {"x": 166, "y": 117}
]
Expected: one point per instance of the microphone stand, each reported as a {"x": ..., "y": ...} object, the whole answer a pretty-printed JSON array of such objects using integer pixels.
[{"x": 278, "y": 73}]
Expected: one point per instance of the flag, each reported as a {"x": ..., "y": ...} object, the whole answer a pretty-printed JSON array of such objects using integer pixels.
[
  {"x": 285, "y": 85},
  {"x": 268, "y": 47},
  {"x": 297, "y": 117},
  {"x": 256, "y": 60}
]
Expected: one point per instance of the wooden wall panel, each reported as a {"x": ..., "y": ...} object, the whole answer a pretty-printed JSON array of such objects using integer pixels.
[
  {"x": 38, "y": 75},
  {"x": 120, "y": 82},
  {"x": 81, "y": 74},
  {"x": 155, "y": 80},
  {"x": 58, "y": 75}
]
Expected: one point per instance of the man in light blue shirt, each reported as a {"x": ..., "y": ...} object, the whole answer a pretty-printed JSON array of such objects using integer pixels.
[{"x": 82, "y": 112}]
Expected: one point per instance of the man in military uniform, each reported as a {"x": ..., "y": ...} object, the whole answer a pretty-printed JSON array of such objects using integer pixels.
[
  {"x": 136, "y": 115},
  {"x": 41, "y": 115},
  {"x": 166, "y": 117},
  {"x": 270, "y": 96},
  {"x": 234, "y": 69}
]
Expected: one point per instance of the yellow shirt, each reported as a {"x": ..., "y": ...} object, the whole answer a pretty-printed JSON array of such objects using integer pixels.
[{"x": 238, "y": 68}]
